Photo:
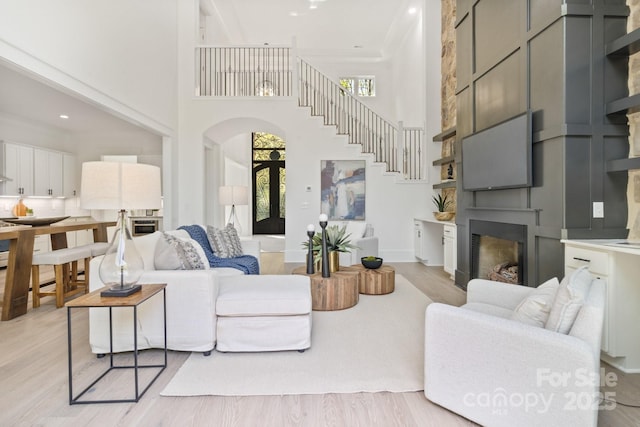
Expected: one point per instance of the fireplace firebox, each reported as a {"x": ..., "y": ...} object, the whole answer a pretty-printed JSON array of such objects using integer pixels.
[{"x": 511, "y": 235}]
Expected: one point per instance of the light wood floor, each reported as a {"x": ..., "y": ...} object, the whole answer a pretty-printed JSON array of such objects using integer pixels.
[{"x": 34, "y": 383}]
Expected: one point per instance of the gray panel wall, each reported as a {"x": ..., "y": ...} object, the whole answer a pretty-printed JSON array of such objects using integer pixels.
[{"x": 555, "y": 67}]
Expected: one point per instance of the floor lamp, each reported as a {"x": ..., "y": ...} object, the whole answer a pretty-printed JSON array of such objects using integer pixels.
[
  {"x": 120, "y": 186},
  {"x": 232, "y": 195}
]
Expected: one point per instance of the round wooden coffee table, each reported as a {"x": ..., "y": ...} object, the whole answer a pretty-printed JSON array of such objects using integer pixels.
[
  {"x": 376, "y": 282},
  {"x": 337, "y": 292}
]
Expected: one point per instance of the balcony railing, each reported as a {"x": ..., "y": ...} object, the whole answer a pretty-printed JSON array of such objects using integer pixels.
[
  {"x": 271, "y": 71},
  {"x": 244, "y": 71}
]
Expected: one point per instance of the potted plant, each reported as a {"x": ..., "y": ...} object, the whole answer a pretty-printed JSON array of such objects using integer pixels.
[
  {"x": 442, "y": 203},
  {"x": 337, "y": 241}
]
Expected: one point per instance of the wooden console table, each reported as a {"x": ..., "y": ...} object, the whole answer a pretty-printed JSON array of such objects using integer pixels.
[
  {"x": 21, "y": 238},
  {"x": 337, "y": 292}
]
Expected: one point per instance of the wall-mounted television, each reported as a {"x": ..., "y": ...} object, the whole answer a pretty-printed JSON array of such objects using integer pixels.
[{"x": 498, "y": 157}]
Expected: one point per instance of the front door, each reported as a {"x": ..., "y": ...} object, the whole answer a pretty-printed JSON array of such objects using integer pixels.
[{"x": 269, "y": 184}]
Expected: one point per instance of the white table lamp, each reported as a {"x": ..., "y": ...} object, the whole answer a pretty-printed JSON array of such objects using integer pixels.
[{"x": 120, "y": 186}]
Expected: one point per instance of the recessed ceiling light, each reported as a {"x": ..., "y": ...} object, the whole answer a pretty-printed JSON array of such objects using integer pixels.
[
  {"x": 293, "y": 13},
  {"x": 64, "y": 116},
  {"x": 313, "y": 6},
  {"x": 413, "y": 10}
]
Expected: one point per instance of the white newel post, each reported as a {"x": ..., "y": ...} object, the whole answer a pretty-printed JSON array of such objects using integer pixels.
[{"x": 400, "y": 150}]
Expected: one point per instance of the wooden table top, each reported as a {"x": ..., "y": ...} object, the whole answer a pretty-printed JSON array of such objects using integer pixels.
[
  {"x": 12, "y": 232},
  {"x": 94, "y": 299}
]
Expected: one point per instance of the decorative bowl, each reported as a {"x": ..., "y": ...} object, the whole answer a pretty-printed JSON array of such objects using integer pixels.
[
  {"x": 371, "y": 262},
  {"x": 34, "y": 221},
  {"x": 444, "y": 216}
]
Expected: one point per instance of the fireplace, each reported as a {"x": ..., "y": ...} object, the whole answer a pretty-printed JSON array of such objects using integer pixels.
[{"x": 498, "y": 251}]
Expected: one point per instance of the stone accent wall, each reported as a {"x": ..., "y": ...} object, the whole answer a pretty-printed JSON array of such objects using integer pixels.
[
  {"x": 633, "y": 187},
  {"x": 448, "y": 65},
  {"x": 448, "y": 95}
]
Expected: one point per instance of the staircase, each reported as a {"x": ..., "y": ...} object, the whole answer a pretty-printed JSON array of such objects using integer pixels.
[{"x": 271, "y": 71}]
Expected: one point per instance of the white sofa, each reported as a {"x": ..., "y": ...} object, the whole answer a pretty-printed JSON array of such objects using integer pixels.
[
  {"x": 501, "y": 372},
  {"x": 191, "y": 301}
]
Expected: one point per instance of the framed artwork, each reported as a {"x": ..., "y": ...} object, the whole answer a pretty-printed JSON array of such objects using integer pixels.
[{"x": 342, "y": 189}]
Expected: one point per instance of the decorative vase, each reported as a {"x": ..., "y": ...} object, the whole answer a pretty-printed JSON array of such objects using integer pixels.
[
  {"x": 444, "y": 216},
  {"x": 334, "y": 261}
]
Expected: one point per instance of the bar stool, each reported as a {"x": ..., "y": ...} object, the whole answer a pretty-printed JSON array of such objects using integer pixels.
[
  {"x": 97, "y": 248},
  {"x": 67, "y": 283}
]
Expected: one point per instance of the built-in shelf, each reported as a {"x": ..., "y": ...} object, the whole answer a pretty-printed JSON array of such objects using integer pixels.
[
  {"x": 446, "y": 184},
  {"x": 447, "y": 133},
  {"x": 444, "y": 160},
  {"x": 626, "y": 45},
  {"x": 629, "y": 104},
  {"x": 623, "y": 165}
]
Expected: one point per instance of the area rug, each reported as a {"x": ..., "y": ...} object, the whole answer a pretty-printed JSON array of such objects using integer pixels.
[{"x": 377, "y": 345}]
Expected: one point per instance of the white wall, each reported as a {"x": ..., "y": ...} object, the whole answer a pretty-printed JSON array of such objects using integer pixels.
[
  {"x": 89, "y": 146},
  {"x": 390, "y": 206},
  {"x": 127, "y": 60},
  {"x": 408, "y": 77},
  {"x": 21, "y": 131},
  {"x": 123, "y": 50}
]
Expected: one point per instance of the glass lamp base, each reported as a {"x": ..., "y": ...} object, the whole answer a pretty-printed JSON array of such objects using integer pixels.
[{"x": 121, "y": 291}]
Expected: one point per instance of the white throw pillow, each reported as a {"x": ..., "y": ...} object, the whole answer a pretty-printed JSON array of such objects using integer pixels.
[
  {"x": 166, "y": 256},
  {"x": 535, "y": 308},
  {"x": 145, "y": 245},
  {"x": 173, "y": 253},
  {"x": 569, "y": 300}
]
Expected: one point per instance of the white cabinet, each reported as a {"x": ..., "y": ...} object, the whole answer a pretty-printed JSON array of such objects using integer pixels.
[
  {"x": 17, "y": 164},
  {"x": 37, "y": 172},
  {"x": 435, "y": 243},
  {"x": 69, "y": 176},
  {"x": 450, "y": 254},
  {"x": 618, "y": 265},
  {"x": 417, "y": 239},
  {"x": 47, "y": 173}
]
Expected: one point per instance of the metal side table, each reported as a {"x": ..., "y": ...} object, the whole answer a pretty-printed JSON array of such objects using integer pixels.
[{"x": 94, "y": 300}]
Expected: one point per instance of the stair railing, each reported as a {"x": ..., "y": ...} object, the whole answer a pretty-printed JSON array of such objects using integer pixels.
[
  {"x": 350, "y": 116},
  {"x": 271, "y": 71}
]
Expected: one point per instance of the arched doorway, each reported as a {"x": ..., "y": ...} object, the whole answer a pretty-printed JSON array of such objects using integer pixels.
[{"x": 269, "y": 183}]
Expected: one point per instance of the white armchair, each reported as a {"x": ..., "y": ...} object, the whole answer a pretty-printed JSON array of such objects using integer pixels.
[
  {"x": 501, "y": 372},
  {"x": 362, "y": 237}
]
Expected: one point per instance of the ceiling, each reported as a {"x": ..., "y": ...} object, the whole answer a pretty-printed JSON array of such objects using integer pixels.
[
  {"x": 353, "y": 27},
  {"x": 26, "y": 98},
  {"x": 357, "y": 28}
]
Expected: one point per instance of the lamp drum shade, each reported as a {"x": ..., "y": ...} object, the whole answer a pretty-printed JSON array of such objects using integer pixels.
[
  {"x": 115, "y": 185},
  {"x": 233, "y": 195}
]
